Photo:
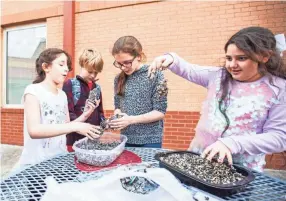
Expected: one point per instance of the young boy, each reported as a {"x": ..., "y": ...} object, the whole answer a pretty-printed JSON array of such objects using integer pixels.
[{"x": 78, "y": 89}]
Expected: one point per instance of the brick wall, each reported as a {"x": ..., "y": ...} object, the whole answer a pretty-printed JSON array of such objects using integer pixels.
[
  {"x": 1, "y": 64},
  {"x": 195, "y": 30},
  {"x": 55, "y": 32},
  {"x": 12, "y": 121},
  {"x": 178, "y": 132},
  {"x": 15, "y": 12}
]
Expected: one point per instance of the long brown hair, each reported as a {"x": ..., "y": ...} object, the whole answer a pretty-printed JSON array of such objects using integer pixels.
[
  {"x": 130, "y": 45},
  {"x": 48, "y": 56},
  {"x": 253, "y": 41}
]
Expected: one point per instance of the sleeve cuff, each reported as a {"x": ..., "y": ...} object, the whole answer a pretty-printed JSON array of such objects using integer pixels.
[
  {"x": 231, "y": 144},
  {"x": 175, "y": 60},
  {"x": 160, "y": 110}
]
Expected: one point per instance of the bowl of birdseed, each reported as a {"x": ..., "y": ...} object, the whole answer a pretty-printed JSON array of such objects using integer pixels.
[
  {"x": 100, "y": 152},
  {"x": 214, "y": 177}
]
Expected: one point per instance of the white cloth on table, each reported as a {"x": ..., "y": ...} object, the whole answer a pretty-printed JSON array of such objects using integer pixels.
[{"x": 109, "y": 188}]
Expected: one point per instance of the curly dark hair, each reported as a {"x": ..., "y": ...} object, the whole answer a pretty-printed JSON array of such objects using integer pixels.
[{"x": 252, "y": 41}]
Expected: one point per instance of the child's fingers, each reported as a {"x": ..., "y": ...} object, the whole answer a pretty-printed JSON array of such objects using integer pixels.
[
  {"x": 229, "y": 158},
  {"x": 212, "y": 154},
  {"x": 114, "y": 123},
  {"x": 119, "y": 127},
  {"x": 93, "y": 134},
  {"x": 156, "y": 65},
  {"x": 90, "y": 104},
  {"x": 165, "y": 64},
  {"x": 89, "y": 135},
  {"x": 95, "y": 129},
  {"x": 160, "y": 63},
  {"x": 97, "y": 102},
  {"x": 221, "y": 157},
  {"x": 206, "y": 151},
  {"x": 152, "y": 69}
]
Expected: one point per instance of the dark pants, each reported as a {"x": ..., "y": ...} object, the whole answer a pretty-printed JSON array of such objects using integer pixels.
[
  {"x": 154, "y": 145},
  {"x": 72, "y": 138}
]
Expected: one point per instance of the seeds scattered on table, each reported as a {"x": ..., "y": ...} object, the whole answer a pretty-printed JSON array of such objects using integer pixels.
[{"x": 138, "y": 185}]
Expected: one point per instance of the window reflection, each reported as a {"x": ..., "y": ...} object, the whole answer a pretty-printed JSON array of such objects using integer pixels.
[{"x": 23, "y": 46}]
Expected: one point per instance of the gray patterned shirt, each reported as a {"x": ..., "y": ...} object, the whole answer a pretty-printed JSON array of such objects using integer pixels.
[{"x": 140, "y": 97}]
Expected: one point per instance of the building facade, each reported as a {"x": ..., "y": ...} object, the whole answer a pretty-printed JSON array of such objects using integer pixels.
[{"x": 196, "y": 30}]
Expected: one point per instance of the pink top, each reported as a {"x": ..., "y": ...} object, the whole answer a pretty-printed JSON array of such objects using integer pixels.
[{"x": 257, "y": 114}]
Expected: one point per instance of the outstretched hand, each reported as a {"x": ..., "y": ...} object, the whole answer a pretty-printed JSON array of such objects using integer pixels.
[
  {"x": 160, "y": 63},
  {"x": 86, "y": 129},
  {"x": 218, "y": 148}
]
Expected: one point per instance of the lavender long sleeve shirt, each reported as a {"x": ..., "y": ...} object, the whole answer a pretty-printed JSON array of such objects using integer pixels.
[{"x": 257, "y": 114}]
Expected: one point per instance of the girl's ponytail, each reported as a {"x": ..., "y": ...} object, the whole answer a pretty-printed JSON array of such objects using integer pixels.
[
  {"x": 41, "y": 75},
  {"x": 121, "y": 84}
]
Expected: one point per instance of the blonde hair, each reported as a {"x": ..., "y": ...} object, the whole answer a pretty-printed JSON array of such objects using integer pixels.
[{"x": 91, "y": 60}]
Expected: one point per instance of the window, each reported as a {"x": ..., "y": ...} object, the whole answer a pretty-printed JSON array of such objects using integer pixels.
[{"x": 22, "y": 47}]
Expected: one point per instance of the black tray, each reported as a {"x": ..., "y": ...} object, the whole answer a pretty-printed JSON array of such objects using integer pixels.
[{"x": 217, "y": 189}]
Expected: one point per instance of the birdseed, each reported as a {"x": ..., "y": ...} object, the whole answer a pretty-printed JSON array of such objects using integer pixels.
[
  {"x": 203, "y": 169},
  {"x": 98, "y": 145}
]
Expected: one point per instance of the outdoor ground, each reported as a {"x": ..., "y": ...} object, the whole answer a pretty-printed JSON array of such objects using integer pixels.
[{"x": 10, "y": 154}]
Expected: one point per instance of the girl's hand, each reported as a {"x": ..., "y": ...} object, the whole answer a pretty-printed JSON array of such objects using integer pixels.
[
  {"x": 121, "y": 123},
  {"x": 86, "y": 129},
  {"x": 117, "y": 111},
  {"x": 221, "y": 149},
  {"x": 89, "y": 108},
  {"x": 160, "y": 63}
]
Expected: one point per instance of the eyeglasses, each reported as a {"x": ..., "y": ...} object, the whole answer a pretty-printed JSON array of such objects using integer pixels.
[{"x": 126, "y": 64}]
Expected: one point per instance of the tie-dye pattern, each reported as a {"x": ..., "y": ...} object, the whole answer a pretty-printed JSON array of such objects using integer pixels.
[
  {"x": 257, "y": 119},
  {"x": 247, "y": 109}
]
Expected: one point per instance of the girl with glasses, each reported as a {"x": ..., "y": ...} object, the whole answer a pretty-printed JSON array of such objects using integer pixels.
[{"x": 136, "y": 97}]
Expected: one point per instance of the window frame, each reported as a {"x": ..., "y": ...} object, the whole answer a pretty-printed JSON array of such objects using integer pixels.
[{"x": 4, "y": 62}]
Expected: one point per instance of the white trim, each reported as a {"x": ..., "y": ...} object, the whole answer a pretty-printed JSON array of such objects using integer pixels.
[
  {"x": 4, "y": 76},
  {"x": 34, "y": 25},
  {"x": 14, "y": 106},
  {"x": 4, "y": 69}
]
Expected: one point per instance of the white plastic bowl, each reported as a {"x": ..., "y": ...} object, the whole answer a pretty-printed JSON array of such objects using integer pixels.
[{"x": 100, "y": 157}]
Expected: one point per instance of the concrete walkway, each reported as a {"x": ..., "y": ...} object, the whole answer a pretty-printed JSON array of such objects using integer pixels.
[{"x": 10, "y": 154}]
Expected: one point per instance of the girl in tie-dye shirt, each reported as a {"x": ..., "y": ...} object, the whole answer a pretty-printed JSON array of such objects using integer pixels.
[{"x": 244, "y": 114}]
